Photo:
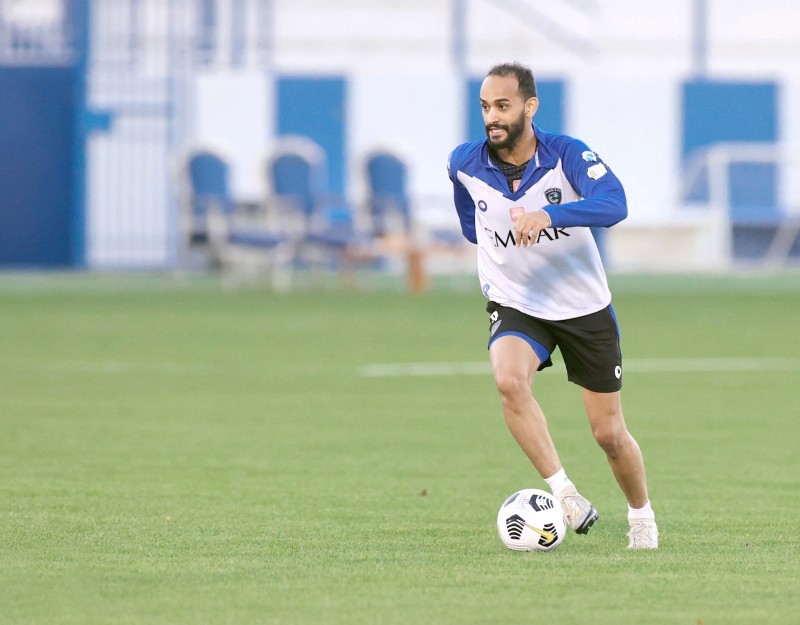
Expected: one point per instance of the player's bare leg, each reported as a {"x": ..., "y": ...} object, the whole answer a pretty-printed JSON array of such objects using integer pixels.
[
  {"x": 609, "y": 430},
  {"x": 514, "y": 364}
]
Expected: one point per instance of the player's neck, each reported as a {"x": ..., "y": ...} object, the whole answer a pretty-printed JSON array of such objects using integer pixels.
[{"x": 521, "y": 153}]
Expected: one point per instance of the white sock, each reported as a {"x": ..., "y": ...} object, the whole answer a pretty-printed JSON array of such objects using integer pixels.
[
  {"x": 558, "y": 482},
  {"x": 645, "y": 512}
]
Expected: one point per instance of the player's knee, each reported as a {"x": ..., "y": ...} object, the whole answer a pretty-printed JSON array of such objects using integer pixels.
[
  {"x": 610, "y": 437},
  {"x": 512, "y": 387}
]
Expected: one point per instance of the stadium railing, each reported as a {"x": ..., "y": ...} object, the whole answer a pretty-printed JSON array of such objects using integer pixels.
[{"x": 741, "y": 183}]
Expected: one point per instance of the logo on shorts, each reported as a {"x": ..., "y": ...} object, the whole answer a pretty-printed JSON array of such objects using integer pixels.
[
  {"x": 495, "y": 320},
  {"x": 618, "y": 372}
]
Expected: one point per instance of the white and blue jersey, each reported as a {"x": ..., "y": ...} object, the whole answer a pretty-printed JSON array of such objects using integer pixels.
[{"x": 561, "y": 276}]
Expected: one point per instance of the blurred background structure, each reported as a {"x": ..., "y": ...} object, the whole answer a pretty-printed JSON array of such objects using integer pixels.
[{"x": 104, "y": 103}]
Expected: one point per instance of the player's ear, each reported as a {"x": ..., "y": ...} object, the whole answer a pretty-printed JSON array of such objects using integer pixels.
[{"x": 531, "y": 106}]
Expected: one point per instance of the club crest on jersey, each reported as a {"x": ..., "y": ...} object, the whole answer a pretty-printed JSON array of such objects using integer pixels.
[
  {"x": 482, "y": 206},
  {"x": 553, "y": 195}
]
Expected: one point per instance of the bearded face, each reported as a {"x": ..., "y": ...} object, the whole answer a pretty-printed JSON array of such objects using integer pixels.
[{"x": 505, "y": 136}]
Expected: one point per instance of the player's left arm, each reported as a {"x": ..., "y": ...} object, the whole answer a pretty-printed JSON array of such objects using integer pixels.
[{"x": 603, "y": 204}]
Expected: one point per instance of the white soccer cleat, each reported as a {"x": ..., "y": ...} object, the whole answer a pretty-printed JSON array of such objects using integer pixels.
[
  {"x": 580, "y": 514},
  {"x": 643, "y": 534}
]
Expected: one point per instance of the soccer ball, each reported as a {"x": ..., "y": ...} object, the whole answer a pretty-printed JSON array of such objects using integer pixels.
[{"x": 531, "y": 520}]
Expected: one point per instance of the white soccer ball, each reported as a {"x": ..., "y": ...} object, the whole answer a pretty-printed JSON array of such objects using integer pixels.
[{"x": 531, "y": 520}]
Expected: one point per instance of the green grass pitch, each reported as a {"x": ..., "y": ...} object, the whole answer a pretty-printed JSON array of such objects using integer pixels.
[{"x": 185, "y": 455}]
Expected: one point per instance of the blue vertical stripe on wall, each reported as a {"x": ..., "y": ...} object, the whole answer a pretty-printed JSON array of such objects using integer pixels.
[
  {"x": 716, "y": 111},
  {"x": 726, "y": 111},
  {"x": 36, "y": 166},
  {"x": 475, "y": 128},
  {"x": 550, "y": 115},
  {"x": 315, "y": 107}
]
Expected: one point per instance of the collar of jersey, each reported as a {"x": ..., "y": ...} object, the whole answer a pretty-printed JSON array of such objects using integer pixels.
[{"x": 547, "y": 160}]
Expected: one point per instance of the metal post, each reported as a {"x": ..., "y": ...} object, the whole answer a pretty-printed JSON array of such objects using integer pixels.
[
  {"x": 458, "y": 54},
  {"x": 700, "y": 38},
  {"x": 238, "y": 31},
  {"x": 81, "y": 23},
  {"x": 459, "y": 36},
  {"x": 266, "y": 32},
  {"x": 266, "y": 56}
]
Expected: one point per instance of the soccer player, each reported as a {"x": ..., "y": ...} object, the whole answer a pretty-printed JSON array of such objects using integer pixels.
[{"x": 528, "y": 198}]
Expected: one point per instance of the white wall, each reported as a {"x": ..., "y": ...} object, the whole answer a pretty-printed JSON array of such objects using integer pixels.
[
  {"x": 634, "y": 124},
  {"x": 234, "y": 112},
  {"x": 623, "y": 62},
  {"x": 790, "y": 125},
  {"x": 413, "y": 114}
]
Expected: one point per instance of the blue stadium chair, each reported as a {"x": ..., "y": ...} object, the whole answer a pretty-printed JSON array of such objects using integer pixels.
[
  {"x": 390, "y": 218},
  {"x": 323, "y": 223},
  {"x": 208, "y": 183},
  {"x": 213, "y": 221},
  {"x": 388, "y": 203}
]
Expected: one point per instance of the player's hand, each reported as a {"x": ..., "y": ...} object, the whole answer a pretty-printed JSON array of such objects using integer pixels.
[{"x": 528, "y": 226}]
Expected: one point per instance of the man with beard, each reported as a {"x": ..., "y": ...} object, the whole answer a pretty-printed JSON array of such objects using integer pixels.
[{"x": 528, "y": 198}]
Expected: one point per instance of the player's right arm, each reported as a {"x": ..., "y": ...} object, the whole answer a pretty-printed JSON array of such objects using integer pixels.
[{"x": 465, "y": 206}]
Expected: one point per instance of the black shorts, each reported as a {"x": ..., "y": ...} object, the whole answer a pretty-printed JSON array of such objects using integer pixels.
[{"x": 588, "y": 344}]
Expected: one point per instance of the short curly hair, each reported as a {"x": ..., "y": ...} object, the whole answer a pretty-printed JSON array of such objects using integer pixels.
[{"x": 523, "y": 74}]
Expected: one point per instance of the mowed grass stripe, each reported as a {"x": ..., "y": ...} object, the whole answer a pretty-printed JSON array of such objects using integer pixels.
[{"x": 633, "y": 365}]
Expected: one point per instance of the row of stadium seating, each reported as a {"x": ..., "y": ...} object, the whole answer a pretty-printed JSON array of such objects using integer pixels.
[{"x": 299, "y": 225}]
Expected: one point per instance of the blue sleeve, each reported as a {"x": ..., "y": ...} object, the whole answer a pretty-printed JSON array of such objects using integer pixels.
[
  {"x": 465, "y": 207},
  {"x": 603, "y": 203}
]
